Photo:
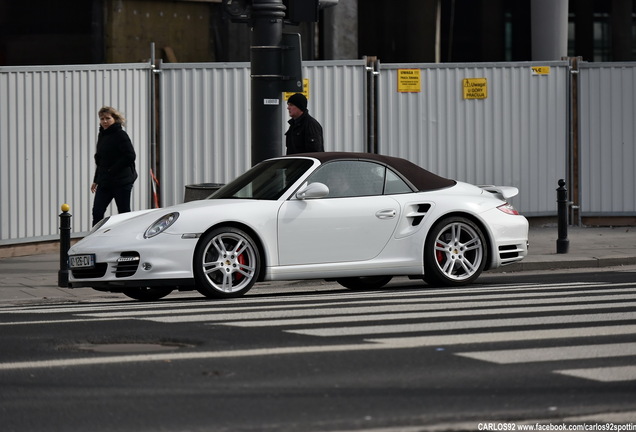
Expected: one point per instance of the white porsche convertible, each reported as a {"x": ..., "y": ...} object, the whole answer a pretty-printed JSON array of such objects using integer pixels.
[{"x": 356, "y": 218}]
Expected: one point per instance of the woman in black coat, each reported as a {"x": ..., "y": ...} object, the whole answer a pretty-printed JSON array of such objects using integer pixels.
[{"x": 115, "y": 170}]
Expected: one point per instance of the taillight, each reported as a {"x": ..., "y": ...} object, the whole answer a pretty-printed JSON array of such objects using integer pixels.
[{"x": 508, "y": 209}]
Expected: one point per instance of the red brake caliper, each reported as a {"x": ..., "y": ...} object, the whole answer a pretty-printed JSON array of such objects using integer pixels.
[
  {"x": 241, "y": 260},
  {"x": 439, "y": 254}
]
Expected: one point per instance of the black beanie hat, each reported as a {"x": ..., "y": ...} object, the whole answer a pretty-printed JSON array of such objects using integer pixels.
[{"x": 299, "y": 100}]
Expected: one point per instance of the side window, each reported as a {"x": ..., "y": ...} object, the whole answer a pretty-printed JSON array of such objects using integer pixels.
[
  {"x": 351, "y": 178},
  {"x": 395, "y": 185}
]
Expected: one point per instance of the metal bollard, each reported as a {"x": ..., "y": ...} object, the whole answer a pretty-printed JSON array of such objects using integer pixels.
[
  {"x": 562, "y": 243},
  {"x": 65, "y": 245}
]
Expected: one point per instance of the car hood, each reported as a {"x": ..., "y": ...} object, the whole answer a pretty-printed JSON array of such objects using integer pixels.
[{"x": 194, "y": 216}]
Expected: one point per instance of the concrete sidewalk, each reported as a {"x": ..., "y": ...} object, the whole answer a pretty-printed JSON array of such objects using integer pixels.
[
  {"x": 35, "y": 277},
  {"x": 589, "y": 247}
]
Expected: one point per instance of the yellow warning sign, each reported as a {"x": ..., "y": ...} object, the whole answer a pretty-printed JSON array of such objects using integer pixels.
[
  {"x": 409, "y": 81},
  {"x": 540, "y": 70},
  {"x": 475, "y": 88},
  {"x": 305, "y": 91}
]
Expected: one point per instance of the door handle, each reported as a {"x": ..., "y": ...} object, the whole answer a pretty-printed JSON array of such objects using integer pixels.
[{"x": 386, "y": 214}]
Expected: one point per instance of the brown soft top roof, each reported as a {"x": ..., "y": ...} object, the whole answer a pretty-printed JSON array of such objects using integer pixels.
[{"x": 420, "y": 178}]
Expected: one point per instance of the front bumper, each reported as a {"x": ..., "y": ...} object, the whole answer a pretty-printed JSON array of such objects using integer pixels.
[{"x": 122, "y": 263}]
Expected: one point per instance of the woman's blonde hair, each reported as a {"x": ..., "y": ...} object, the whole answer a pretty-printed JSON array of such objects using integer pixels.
[{"x": 119, "y": 117}]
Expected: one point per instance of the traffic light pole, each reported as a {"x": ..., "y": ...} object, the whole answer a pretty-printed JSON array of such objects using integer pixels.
[
  {"x": 275, "y": 61},
  {"x": 266, "y": 69}
]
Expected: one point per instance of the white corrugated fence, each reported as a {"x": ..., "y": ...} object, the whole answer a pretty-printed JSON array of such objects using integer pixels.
[
  {"x": 518, "y": 134},
  {"x": 515, "y": 135},
  {"x": 48, "y": 132}
]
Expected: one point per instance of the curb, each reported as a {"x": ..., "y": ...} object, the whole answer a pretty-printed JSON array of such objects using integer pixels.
[{"x": 552, "y": 263}]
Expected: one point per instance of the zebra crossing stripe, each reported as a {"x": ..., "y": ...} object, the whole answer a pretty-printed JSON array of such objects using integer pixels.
[
  {"x": 424, "y": 298},
  {"x": 423, "y": 314},
  {"x": 532, "y": 355},
  {"x": 236, "y": 317},
  {"x": 466, "y": 325},
  {"x": 203, "y": 355},
  {"x": 506, "y": 336},
  {"x": 604, "y": 374}
]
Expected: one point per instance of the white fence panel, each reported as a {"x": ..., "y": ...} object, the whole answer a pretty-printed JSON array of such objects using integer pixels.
[
  {"x": 205, "y": 125},
  {"x": 205, "y": 118},
  {"x": 607, "y": 139},
  {"x": 516, "y": 136},
  {"x": 48, "y": 132},
  {"x": 337, "y": 99}
]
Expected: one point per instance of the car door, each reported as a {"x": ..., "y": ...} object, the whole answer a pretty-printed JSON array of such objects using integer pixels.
[{"x": 353, "y": 223}]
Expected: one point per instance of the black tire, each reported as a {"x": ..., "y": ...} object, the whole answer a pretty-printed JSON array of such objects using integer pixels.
[
  {"x": 364, "y": 282},
  {"x": 226, "y": 263},
  {"x": 455, "y": 252},
  {"x": 147, "y": 293}
]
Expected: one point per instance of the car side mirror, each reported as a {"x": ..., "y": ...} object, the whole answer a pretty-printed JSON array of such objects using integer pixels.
[{"x": 313, "y": 191}]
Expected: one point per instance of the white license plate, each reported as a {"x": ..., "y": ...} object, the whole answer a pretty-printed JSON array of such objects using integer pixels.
[{"x": 81, "y": 261}]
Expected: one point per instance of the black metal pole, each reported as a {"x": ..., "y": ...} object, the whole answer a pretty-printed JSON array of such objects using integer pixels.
[
  {"x": 562, "y": 243},
  {"x": 65, "y": 245},
  {"x": 266, "y": 69}
]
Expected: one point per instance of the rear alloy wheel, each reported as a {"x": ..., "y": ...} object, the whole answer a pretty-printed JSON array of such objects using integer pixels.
[
  {"x": 147, "y": 293},
  {"x": 365, "y": 282},
  {"x": 454, "y": 253},
  {"x": 226, "y": 263}
]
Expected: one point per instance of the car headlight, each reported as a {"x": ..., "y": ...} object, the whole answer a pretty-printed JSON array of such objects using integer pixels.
[{"x": 161, "y": 224}]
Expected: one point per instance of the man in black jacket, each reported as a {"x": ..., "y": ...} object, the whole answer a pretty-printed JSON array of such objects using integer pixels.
[{"x": 305, "y": 133}]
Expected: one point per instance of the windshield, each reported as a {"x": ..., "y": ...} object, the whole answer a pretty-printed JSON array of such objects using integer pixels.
[{"x": 266, "y": 181}]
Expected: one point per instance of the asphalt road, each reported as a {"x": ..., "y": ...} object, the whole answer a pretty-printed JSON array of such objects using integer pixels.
[{"x": 512, "y": 350}]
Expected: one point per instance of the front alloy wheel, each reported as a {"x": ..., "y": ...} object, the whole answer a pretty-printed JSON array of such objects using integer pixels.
[
  {"x": 454, "y": 253},
  {"x": 226, "y": 263}
]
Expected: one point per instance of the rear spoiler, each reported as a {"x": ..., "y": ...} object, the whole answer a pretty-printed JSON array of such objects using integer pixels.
[{"x": 502, "y": 192}]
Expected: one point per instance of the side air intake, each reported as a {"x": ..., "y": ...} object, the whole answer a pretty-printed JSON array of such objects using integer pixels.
[{"x": 417, "y": 213}]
